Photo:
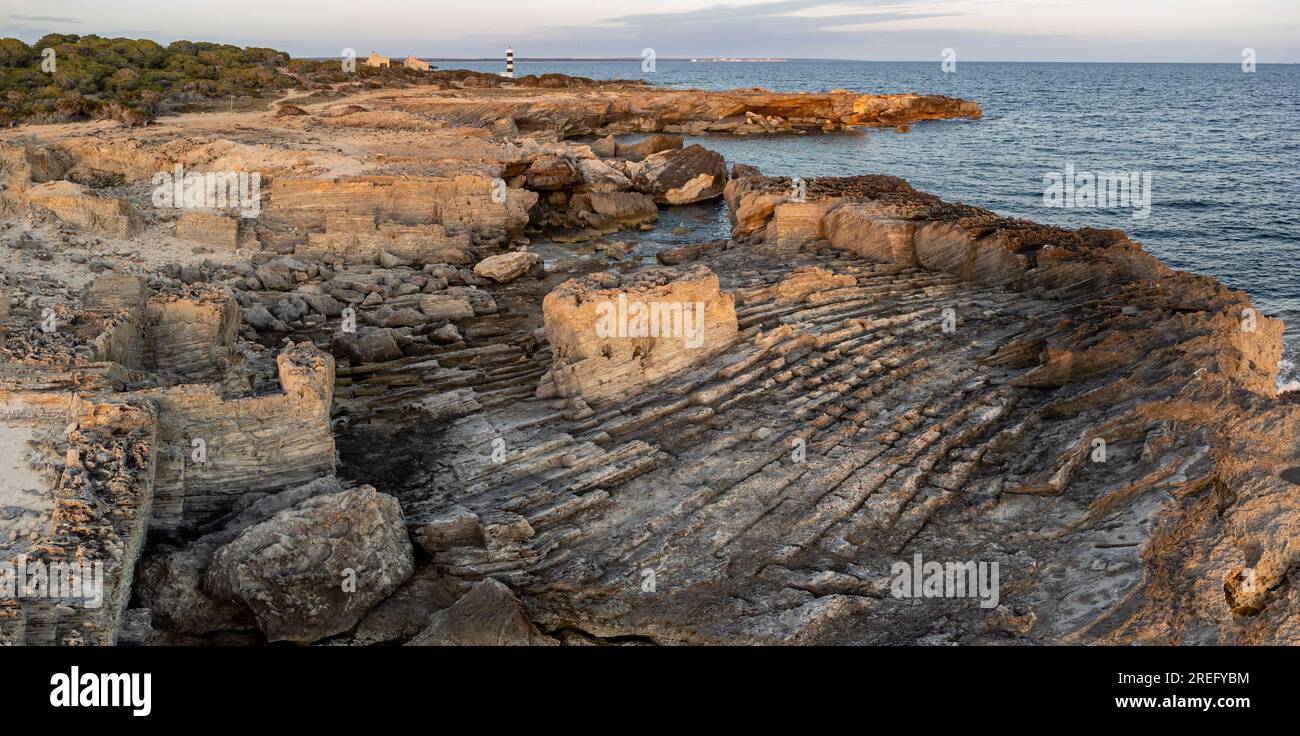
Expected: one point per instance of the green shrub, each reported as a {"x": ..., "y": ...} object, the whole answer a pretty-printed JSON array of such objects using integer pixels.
[{"x": 129, "y": 79}]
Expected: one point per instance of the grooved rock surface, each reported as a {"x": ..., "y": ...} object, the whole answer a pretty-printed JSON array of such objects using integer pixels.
[{"x": 1105, "y": 430}]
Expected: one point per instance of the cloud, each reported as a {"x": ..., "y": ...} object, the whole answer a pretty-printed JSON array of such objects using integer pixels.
[
  {"x": 775, "y": 15},
  {"x": 788, "y": 27},
  {"x": 44, "y": 19}
]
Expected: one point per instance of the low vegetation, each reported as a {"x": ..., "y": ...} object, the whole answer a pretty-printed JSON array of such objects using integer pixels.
[{"x": 65, "y": 77}]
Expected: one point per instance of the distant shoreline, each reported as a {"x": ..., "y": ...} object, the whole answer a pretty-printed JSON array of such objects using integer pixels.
[{"x": 703, "y": 59}]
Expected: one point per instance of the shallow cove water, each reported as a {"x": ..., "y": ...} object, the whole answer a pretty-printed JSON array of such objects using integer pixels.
[{"x": 1222, "y": 147}]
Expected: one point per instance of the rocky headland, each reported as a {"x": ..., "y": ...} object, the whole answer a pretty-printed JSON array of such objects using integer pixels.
[{"x": 407, "y": 384}]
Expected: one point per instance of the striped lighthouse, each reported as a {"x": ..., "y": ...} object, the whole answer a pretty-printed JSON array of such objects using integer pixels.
[{"x": 510, "y": 64}]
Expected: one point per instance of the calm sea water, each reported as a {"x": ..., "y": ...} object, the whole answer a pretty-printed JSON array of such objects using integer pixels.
[{"x": 1222, "y": 147}]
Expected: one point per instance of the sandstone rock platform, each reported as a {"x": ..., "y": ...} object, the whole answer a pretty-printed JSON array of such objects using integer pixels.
[{"x": 409, "y": 393}]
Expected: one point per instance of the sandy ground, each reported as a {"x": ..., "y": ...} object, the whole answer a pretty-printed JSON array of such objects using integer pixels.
[{"x": 25, "y": 501}]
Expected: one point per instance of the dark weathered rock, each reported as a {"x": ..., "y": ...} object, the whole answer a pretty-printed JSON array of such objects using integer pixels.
[
  {"x": 551, "y": 173},
  {"x": 406, "y": 612},
  {"x": 313, "y": 570},
  {"x": 652, "y": 144},
  {"x": 170, "y": 580},
  {"x": 691, "y": 174},
  {"x": 488, "y": 615},
  {"x": 377, "y": 346}
]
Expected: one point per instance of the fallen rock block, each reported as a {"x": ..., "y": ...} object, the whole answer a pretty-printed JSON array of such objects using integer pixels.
[
  {"x": 653, "y": 144},
  {"x": 379, "y": 346},
  {"x": 488, "y": 615},
  {"x": 681, "y": 176},
  {"x": 446, "y": 306},
  {"x": 507, "y": 267},
  {"x": 601, "y": 177},
  {"x": 628, "y": 209},
  {"x": 314, "y": 570},
  {"x": 170, "y": 579}
]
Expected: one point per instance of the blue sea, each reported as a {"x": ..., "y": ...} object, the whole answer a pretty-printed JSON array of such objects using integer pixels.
[{"x": 1222, "y": 147}]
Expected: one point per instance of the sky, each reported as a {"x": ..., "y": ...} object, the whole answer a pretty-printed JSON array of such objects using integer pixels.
[{"x": 875, "y": 30}]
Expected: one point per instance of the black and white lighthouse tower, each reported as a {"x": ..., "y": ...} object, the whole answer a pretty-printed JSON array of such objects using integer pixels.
[{"x": 510, "y": 64}]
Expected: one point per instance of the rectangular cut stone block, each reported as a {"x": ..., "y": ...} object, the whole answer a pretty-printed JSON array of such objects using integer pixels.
[
  {"x": 191, "y": 335},
  {"x": 857, "y": 228},
  {"x": 795, "y": 223},
  {"x": 215, "y": 230},
  {"x": 72, "y": 203},
  {"x": 612, "y": 341}
]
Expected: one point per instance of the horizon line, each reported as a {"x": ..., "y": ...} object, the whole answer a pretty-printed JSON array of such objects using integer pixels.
[{"x": 783, "y": 59}]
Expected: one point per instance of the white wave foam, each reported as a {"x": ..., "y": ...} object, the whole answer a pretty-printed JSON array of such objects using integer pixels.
[{"x": 1287, "y": 377}]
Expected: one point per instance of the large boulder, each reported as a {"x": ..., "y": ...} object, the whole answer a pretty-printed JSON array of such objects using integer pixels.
[
  {"x": 313, "y": 570},
  {"x": 169, "y": 581},
  {"x": 378, "y": 346},
  {"x": 488, "y": 615},
  {"x": 601, "y": 177},
  {"x": 276, "y": 275},
  {"x": 628, "y": 209},
  {"x": 548, "y": 173},
  {"x": 691, "y": 174},
  {"x": 507, "y": 267},
  {"x": 653, "y": 144}
]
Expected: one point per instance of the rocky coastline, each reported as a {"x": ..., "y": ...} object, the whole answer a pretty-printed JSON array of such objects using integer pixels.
[{"x": 403, "y": 382}]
